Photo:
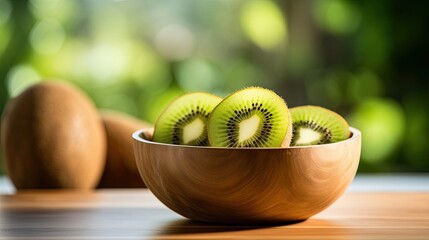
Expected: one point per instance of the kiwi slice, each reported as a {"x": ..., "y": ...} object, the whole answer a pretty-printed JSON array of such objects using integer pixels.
[
  {"x": 314, "y": 125},
  {"x": 251, "y": 117},
  {"x": 184, "y": 121}
]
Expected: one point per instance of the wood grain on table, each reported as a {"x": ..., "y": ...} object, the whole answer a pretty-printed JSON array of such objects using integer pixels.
[{"x": 137, "y": 214}]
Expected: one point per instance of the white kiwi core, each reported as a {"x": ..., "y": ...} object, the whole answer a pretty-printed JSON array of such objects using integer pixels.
[
  {"x": 308, "y": 135},
  {"x": 248, "y": 128},
  {"x": 193, "y": 130}
]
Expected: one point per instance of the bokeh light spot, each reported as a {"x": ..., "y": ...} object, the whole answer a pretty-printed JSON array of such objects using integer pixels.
[
  {"x": 21, "y": 77},
  {"x": 175, "y": 42},
  {"x": 152, "y": 106},
  {"x": 382, "y": 122},
  {"x": 5, "y": 34},
  {"x": 149, "y": 70},
  {"x": 119, "y": 102},
  {"x": 264, "y": 23},
  {"x": 108, "y": 62},
  {"x": 240, "y": 73},
  {"x": 47, "y": 37},
  {"x": 109, "y": 23},
  {"x": 61, "y": 10},
  {"x": 197, "y": 75},
  {"x": 337, "y": 16},
  {"x": 68, "y": 63},
  {"x": 5, "y": 10}
]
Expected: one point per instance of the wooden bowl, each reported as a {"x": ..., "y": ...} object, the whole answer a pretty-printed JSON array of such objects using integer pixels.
[{"x": 247, "y": 185}]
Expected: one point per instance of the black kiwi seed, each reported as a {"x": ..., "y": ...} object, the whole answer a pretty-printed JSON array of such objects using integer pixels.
[
  {"x": 243, "y": 114},
  {"x": 326, "y": 134},
  {"x": 273, "y": 129},
  {"x": 171, "y": 124},
  {"x": 330, "y": 126}
]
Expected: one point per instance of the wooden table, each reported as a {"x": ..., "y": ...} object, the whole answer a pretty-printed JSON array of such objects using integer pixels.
[{"x": 137, "y": 214}]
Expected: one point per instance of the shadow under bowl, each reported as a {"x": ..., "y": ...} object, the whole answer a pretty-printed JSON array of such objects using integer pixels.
[{"x": 247, "y": 185}]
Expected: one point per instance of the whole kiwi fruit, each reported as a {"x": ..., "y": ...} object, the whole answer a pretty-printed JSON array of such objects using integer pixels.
[
  {"x": 53, "y": 137},
  {"x": 121, "y": 168}
]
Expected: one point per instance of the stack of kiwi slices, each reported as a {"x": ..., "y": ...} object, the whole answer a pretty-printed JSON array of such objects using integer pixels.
[{"x": 252, "y": 117}]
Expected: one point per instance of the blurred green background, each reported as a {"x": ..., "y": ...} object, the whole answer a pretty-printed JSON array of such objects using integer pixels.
[{"x": 368, "y": 60}]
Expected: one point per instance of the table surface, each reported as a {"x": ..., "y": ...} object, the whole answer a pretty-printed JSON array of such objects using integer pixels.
[{"x": 137, "y": 214}]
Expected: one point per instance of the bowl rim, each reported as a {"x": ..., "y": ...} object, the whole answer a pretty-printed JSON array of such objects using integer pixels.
[{"x": 354, "y": 133}]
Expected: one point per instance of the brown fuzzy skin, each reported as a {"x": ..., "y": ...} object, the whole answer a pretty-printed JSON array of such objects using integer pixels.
[
  {"x": 53, "y": 137},
  {"x": 121, "y": 168}
]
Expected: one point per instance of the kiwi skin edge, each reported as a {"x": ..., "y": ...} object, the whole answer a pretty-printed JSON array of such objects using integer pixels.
[
  {"x": 163, "y": 133},
  {"x": 338, "y": 126},
  {"x": 288, "y": 133}
]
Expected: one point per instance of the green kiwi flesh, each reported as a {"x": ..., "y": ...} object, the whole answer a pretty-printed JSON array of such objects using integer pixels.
[
  {"x": 251, "y": 117},
  {"x": 314, "y": 125},
  {"x": 184, "y": 121}
]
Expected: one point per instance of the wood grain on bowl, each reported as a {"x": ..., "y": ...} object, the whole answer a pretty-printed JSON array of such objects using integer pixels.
[{"x": 247, "y": 185}]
